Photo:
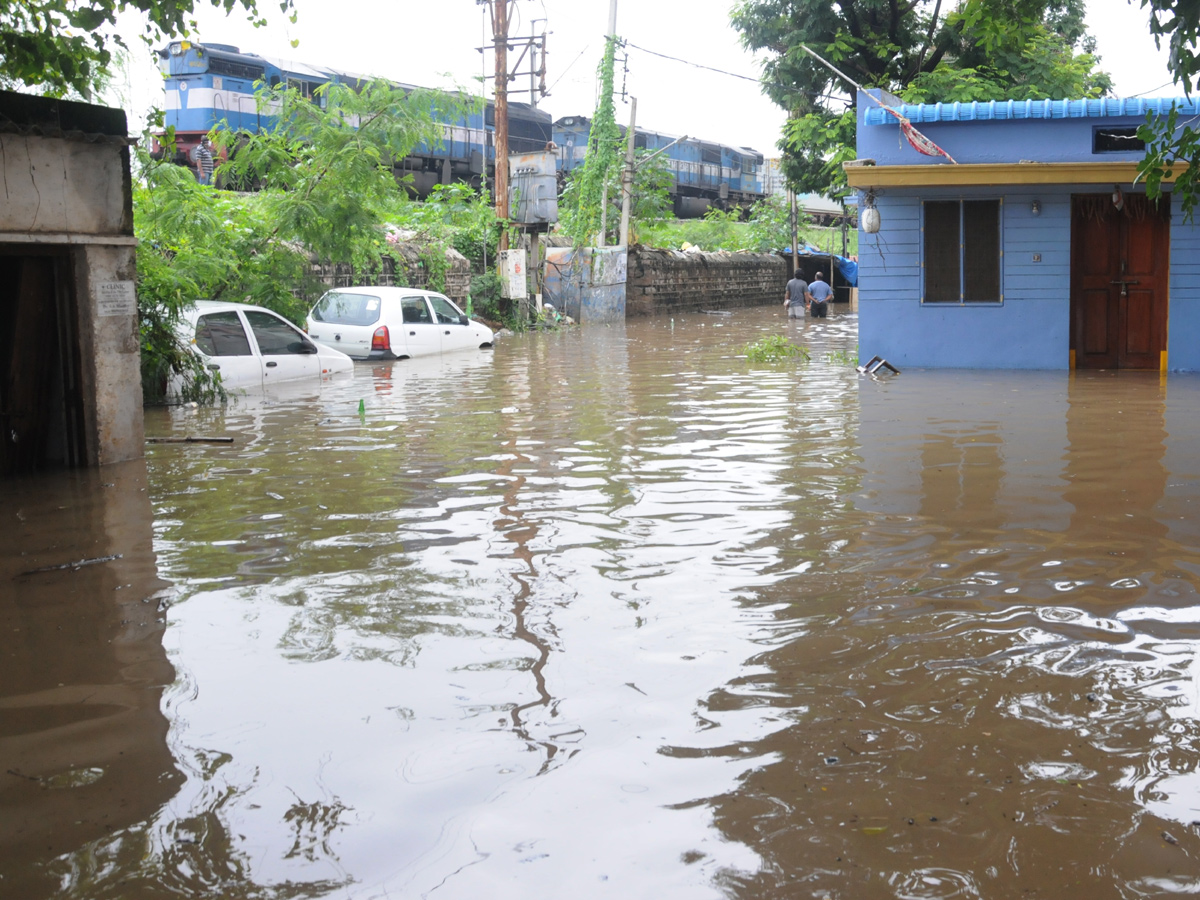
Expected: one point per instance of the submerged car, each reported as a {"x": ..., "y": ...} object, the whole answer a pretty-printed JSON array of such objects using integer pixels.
[
  {"x": 252, "y": 347},
  {"x": 393, "y": 323}
]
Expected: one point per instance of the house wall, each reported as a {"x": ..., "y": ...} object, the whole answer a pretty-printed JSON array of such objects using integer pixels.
[
  {"x": 1029, "y": 329},
  {"x": 1183, "y": 316}
]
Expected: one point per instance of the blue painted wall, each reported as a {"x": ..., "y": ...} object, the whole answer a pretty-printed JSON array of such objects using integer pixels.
[{"x": 1030, "y": 328}]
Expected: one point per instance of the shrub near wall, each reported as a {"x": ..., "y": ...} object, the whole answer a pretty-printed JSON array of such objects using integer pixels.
[{"x": 664, "y": 282}]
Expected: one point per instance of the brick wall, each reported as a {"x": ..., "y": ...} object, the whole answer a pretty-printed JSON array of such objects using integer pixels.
[
  {"x": 662, "y": 282},
  {"x": 409, "y": 272}
]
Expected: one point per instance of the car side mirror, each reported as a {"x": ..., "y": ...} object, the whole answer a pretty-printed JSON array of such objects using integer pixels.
[{"x": 463, "y": 320}]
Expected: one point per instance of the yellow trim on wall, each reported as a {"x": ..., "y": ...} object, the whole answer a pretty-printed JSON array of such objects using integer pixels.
[
  {"x": 1162, "y": 361},
  {"x": 994, "y": 174}
]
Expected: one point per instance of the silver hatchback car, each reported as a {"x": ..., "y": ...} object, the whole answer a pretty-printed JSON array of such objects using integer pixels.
[{"x": 393, "y": 323}]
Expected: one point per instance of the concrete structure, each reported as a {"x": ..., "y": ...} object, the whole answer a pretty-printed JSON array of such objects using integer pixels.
[
  {"x": 70, "y": 381},
  {"x": 666, "y": 282},
  {"x": 1036, "y": 250}
]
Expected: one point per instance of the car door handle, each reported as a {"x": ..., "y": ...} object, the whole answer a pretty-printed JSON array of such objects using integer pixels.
[
  {"x": 214, "y": 367},
  {"x": 272, "y": 365},
  {"x": 447, "y": 331},
  {"x": 412, "y": 334}
]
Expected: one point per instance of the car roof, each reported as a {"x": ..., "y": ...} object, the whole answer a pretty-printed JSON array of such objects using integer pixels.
[
  {"x": 386, "y": 290},
  {"x": 199, "y": 307}
]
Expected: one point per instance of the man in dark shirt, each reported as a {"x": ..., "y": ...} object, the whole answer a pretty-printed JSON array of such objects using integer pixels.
[
  {"x": 795, "y": 297},
  {"x": 204, "y": 161}
]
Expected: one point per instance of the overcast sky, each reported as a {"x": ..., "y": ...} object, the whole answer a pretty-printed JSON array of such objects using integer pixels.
[{"x": 434, "y": 44}]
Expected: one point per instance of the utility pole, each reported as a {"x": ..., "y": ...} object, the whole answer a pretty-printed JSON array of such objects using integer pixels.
[
  {"x": 500, "y": 17},
  {"x": 627, "y": 174},
  {"x": 794, "y": 227}
]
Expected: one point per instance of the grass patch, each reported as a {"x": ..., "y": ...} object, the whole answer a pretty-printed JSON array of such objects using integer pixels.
[{"x": 775, "y": 348}]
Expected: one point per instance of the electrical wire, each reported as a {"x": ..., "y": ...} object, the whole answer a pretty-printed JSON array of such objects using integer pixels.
[{"x": 758, "y": 81}]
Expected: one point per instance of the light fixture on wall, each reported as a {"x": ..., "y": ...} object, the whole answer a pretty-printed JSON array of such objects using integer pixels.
[
  {"x": 870, "y": 215},
  {"x": 1118, "y": 197},
  {"x": 1035, "y": 207}
]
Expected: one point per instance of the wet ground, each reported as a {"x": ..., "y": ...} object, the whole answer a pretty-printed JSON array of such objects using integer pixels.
[{"x": 615, "y": 613}]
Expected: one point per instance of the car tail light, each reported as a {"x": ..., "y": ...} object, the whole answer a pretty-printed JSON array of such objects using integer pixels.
[{"x": 380, "y": 339}]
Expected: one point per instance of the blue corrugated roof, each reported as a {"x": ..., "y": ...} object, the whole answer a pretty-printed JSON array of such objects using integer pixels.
[{"x": 1001, "y": 110}]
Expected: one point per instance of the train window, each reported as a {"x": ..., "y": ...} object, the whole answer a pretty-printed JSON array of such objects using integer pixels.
[
  {"x": 639, "y": 141},
  {"x": 710, "y": 154},
  {"x": 235, "y": 68},
  {"x": 274, "y": 81}
]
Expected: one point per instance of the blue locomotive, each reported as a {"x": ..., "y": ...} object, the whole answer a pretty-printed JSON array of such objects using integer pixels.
[
  {"x": 703, "y": 174},
  {"x": 213, "y": 86}
]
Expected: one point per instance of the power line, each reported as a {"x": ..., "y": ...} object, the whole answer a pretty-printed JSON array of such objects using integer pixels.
[{"x": 758, "y": 81}]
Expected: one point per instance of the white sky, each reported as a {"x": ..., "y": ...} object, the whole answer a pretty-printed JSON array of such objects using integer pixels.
[{"x": 432, "y": 43}]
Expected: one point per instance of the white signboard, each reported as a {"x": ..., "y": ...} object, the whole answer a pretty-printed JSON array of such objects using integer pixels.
[
  {"x": 115, "y": 298},
  {"x": 512, "y": 274}
]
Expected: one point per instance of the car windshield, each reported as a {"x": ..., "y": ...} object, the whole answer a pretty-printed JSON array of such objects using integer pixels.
[{"x": 340, "y": 308}]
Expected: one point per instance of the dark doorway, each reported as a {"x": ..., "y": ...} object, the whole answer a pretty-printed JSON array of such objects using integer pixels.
[
  {"x": 40, "y": 418},
  {"x": 1119, "y": 261}
]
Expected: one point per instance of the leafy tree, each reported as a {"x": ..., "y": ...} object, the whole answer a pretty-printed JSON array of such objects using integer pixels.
[
  {"x": 978, "y": 50},
  {"x": 327, "y": 188},
  {"x": 580, "y": 211},
  {"x": 66, "y": 45},
  {"x": 1172, "y": 146}
]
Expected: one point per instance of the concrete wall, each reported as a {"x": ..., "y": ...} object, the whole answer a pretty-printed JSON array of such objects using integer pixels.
[
  {"x": 68, "y": 191},
  {"x": 664, "y": 282}
]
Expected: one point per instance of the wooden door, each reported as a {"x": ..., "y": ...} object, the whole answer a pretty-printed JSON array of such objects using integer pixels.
[{"x": 1119, "y": 261}]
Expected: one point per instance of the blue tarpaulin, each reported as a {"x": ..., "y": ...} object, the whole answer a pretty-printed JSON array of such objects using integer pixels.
[{"x": 847, "y": 268}]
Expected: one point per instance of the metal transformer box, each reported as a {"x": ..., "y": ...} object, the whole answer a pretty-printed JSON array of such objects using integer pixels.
[{"x": 533, "y": 188}]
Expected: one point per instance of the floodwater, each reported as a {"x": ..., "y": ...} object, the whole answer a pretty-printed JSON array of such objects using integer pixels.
[{"x": 616, "y": 613}]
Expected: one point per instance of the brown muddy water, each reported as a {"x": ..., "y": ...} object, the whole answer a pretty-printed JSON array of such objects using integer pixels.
[{"x": 615, "y": 613}]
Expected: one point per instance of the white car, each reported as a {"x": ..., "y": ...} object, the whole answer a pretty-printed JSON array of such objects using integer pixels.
[
  {"x": 393, "y": 323},
  {"x": 252, "y": 347}
]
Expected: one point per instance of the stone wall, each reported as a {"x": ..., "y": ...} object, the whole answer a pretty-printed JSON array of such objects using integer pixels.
[
  {"x": 663, "y": 282},
  {"x": 412, "y": 273}
]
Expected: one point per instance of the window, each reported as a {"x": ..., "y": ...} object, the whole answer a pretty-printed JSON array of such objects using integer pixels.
[
  {"x": 221, "y": 334},
  {"x": 447, "y": 313},
  {"x": 1117, "y": 140},
  {"x": 415, "y": 310},
  {"x": 275, "y": 336},
  {"x": 961, "y": 251},
  {"x": 341, "y": 308}
]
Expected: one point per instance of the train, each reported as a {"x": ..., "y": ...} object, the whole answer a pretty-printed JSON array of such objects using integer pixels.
[
  {"x": 703, "y": 174},
  {"x": 213, "y": 86}
]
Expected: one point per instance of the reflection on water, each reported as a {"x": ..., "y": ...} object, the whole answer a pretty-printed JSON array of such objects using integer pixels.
[{"x": 616, "y": 612}]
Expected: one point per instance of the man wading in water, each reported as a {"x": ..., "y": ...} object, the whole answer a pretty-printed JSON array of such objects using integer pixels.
[
  {"x": 819, "y": 293},
  {"x": 796, "y": 296}
]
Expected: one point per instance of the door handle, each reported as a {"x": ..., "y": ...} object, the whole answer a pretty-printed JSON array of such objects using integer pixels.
[
  {"x": 411, "y": 333},
  {"x": 272, "y": 365},
  {"x": 447, "y": 331},
  {"x": 214, "y": 367},
  {"x": 1124, "y": 281}
]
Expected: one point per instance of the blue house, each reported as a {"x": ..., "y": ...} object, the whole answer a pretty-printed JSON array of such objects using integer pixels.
[{"x": 1033, "y": 249}]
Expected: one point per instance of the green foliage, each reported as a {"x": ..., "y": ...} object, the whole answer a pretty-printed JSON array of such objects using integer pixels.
[
  {"x": 843, "y": 358},
  {"x": 63, "y": 46},
  {"x": 326, "y": 189},
  {"x": 976, "y": 49},
  {"x": 454, "y": 214},
  {"x": 770, "y": 225},
  {"x": 579, "y": 212},
  {"x": 775, "y": 348},
  {"x": 1172, "y": 147}
]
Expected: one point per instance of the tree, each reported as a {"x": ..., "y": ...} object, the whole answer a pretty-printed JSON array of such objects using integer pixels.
[
  {"x": 1169, "y": 144},
  {"x": 978, "y": 50},
  {"x": 66, "y": 45},
  {"x": 327, "y": 189}
]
